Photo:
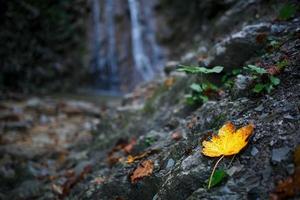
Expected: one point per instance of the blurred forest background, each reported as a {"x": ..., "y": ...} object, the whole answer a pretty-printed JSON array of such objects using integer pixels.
[{"x": 58, "y": 45}]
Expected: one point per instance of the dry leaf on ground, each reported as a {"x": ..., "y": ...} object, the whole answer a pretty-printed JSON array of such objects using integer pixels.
[
  {"x": 229, "y": 141},
  {"x": 289, "y": 187},
  {"x": 176, "y": 136},
  {"x": 144, "y": 169},
  {"x": 131, "y": 159},
  {"x": 169, "y": 82}
]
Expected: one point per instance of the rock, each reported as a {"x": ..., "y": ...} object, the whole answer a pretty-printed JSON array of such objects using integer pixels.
[
  {"x": 171, "y": 66},
  {"x": 79, "y": 108},
  {"x": 20, "y": 126},
  {"x": 33, "y": 103},
  {"x": 242, "y": 82},
  {"x": 234, "y": 169},
  {"x": 233, "y": 51},
  {"x": 280, "y": 154},
  {"x": 170, "y": 163},
  {"x": 254, "y": 151},
  {"x": 259, "y": 108},
  {"x": 27, "y": 189}
]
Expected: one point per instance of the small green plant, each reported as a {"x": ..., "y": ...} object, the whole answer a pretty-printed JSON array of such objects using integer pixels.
[
  {"x": 264, "y": 82},
  {"x": 199, "y": 70},
  {"x": 200, "y": 92},
  {"x": 150, "y": 140},
  {"x": 228, "y": 78},
  {"x": 287, "y": 11},
  {"x": 217, "y": 177}
]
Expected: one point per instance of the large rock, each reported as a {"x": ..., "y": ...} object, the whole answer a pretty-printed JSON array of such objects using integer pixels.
[{"x": 238, "y": 47}]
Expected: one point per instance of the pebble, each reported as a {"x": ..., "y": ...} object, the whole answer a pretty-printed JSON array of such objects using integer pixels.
[
  {"x": 254, "y": 151},
  {"x": 280, "y": 154},
  {"x": 170, "y": 163},
  {"x": 259, "y": 108}
]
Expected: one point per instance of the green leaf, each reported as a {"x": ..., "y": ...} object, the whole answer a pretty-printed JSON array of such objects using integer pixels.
[
  {"x": 196, "y": 87},
  {"x": 269, "y": 88},
  {"x": 198, "y": 70},
  {"x": 191, "y": 100},
  {"x": 287, "y": 11},
  {"x": 274, "y": 80},
  {"x": 225, "y": 78},
  {"x": 212, "y": 86},
  {"x": 255, "y": 69},
  {"x": 236, "y": 71},
  {"x": 189, "y": 69},
  {"x": 204, "y": 98},
  {"x": 217, "y": 177},
  {"x": 258, "y": 88},
  {"x": 216, "y": 69}
]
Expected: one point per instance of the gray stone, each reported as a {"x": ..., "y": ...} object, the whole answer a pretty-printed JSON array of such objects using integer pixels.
[
  {"x": 280, "y": 154},
  {"x": 237, "y": 48},
  {"x": 254, "y": 151},
  {"x": 170, "y": 163}
]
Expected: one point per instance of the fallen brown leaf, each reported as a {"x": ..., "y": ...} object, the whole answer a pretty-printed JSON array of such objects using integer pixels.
[
  {"x": 261, "y": 38},
  {"x": 118, "y": 150},
  {"x": 169, "y": 82},
  {"x": 176, "y": 136},
  {"x": 128, "y": 148},
  {"x": 131, "y": 159},
  {"x": 297, "y": 156},
  {"x": 144, "y": 169},
  {"x": 72, "y": 180},
  {"x": 192, "y": 123},
  {"x": 289, "y": 187}
]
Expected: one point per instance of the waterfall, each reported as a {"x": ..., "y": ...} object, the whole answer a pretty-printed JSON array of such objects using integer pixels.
[
  {"x": 115, "y": 66},
  {"x": 96, "y": 40},
  {"x": 111, "y": 49},
  {"x": 150, "y": 30},
  {"x": 141, "y": 60}
]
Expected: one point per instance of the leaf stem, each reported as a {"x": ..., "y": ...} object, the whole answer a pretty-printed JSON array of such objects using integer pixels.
[
  {"x": 213, "y": 171},
  {"x": 231, "y": 161}
]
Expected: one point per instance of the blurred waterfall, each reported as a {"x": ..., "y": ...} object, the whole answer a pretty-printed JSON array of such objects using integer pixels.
[
  {"x": 141, "y": 60},
  {"x": 96, "y": 40},
  {"x": 111, "y": 52},
  {"x": 124, "y": 50},
  {"x": 155, "y": 52}
]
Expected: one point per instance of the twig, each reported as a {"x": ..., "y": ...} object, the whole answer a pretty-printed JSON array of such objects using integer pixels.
[
  {"x": 214, "y": 169},
  {"x": 231, "y": 161}
]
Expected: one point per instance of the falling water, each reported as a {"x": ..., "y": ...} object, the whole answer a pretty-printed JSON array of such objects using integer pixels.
[
  {"x": 111, "y": 52},
  {"x": 150, "y": 30},
  {"x": 111, "y": 59},
  {"x": 141, "y": 60},
  {"x": 96, "y": 59}
]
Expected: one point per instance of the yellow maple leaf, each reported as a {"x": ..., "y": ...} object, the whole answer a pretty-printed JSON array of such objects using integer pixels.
[{"x": 229, "y": 141}]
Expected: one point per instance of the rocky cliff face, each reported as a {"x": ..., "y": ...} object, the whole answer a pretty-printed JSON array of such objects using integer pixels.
[{"x": 169, "y": 133}]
